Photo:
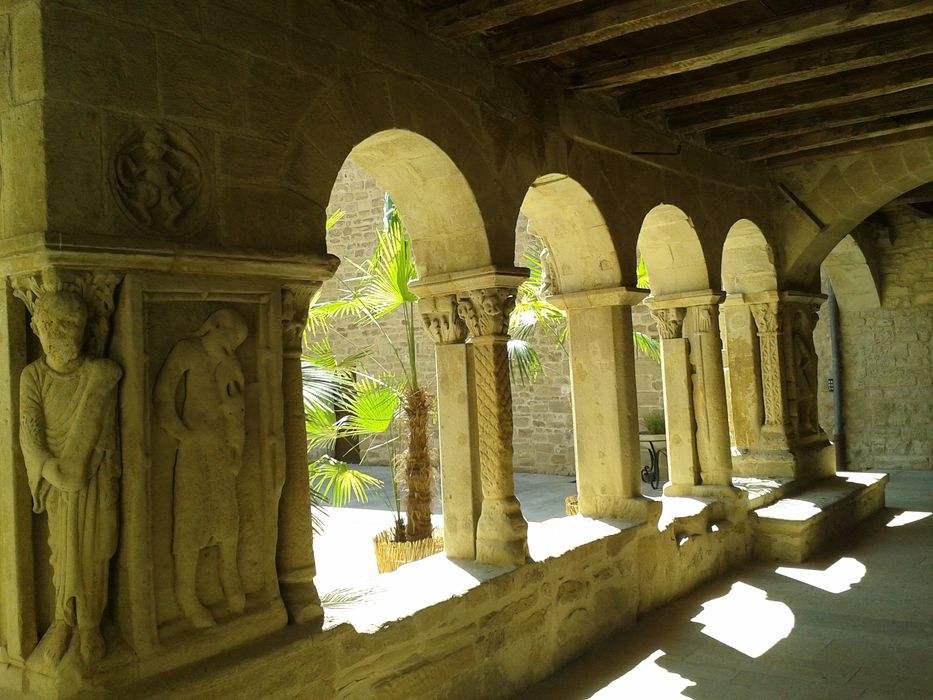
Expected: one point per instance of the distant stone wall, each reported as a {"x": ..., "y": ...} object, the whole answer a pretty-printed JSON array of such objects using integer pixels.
[
  {"x": 543, "y": 419},
  {"x": 887, "y": 357}
]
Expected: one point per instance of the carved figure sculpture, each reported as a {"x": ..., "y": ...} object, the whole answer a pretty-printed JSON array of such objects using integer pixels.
[
  {"x": 68, "y": 436},
  {"x": 805, "y": 370},
  {"x": 199, "y": 401}
]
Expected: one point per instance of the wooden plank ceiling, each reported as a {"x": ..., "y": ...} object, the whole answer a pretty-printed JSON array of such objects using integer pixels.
[{"x": 771, "y": 81}]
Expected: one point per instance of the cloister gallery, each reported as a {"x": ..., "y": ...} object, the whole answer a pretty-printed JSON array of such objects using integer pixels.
[{"x": 166, "y": 168}]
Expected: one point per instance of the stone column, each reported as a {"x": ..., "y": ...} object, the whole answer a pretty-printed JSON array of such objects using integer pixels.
[
  {"x": 605, "y": 402},
  {"x": 461, "y": 491},
  {"x": 18, "y": 635},
  {"x": 768, "y": 319},
  {"x": 699, "y": 454},
  {"x": 501, "y": 533},
  {"x": 683, "y": 463},
  {"x": 709, "y": 395},
  {"x": 744, "y": 375},
  {"x": 294, "y": 553}
]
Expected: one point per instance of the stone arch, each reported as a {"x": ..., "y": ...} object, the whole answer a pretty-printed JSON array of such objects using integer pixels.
[
  {"x": 565, "y": 215},
  {"x": 855, "y": 280},
  {"x": 672, "y": 251},
  {"x": 419, "y": 147},
  {"x": 845, "y": 194},
  {"x": 748, "y": 264}
]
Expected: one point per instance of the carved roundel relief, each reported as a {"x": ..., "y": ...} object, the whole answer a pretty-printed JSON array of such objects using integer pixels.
[{"x": 161, "y": 182}]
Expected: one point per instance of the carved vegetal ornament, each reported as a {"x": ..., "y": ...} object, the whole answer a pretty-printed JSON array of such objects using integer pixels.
[
  {"x": 68, "y": 435},
  {"x": 441, "y": 319},
  {"x": 670, "y": 322},
  {"x": 161, "y": 182},
  {"x": 768, "y": 320}
]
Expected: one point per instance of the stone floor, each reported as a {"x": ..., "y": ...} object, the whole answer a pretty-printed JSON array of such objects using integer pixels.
[{"x": 855, "y": 622}]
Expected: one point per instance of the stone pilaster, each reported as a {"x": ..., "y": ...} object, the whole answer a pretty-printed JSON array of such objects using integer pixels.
[
  {"x": 605, "y": 405},
  {"x": 502, "y": 533},
  {"x": 294, "y": 553},
  {"x": 461, "y": 491}
]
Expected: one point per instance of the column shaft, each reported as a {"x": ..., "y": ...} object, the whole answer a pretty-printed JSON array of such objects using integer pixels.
[{"x": 294, "y": 553}]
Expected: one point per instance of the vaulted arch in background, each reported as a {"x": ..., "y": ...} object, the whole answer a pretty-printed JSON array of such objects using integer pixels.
[
  {"x": 853, "y": 275},
  {"x": 748, "y": 264}
]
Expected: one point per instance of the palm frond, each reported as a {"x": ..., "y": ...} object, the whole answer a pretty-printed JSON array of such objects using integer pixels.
[
  {"x": 641, "y": 274},
  {"x": 524, "y": 361},
  {"x": 371, "y": 406},
  {"x": 333, "y": 219},
  {"x": 338, "y": 483},
  {"x": 647, "y": 346}
]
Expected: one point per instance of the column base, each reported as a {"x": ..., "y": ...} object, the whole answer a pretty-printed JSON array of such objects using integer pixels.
[
  {"x": 715, "y": 491},
  {"x": 301, "y": 599},
  {"x": 635, "y": 509},
  {"x": 815, "y": 457},
  {"x": 765, "y": 463},
  {"x": 502, "y": 533}
]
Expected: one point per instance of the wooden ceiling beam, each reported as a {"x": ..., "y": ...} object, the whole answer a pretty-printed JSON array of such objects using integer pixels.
[
  {"x": 898, "y": 104},
  {"x": 812, "y": 94},
  {"x": 769, "y": 72},
  {"x": 479, "y": 16},
  {"x": 854, "y": 147},
  {"x": 823, "y": 138},
  {"x": 747, "y": 42},
  {"x": 596, "y": 27}
]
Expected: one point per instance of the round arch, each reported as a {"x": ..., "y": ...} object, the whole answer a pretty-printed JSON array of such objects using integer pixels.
[
  {"x": 565, "y": 215},
  {"x": 418, "y": 148},
  {"x": 854, "y": 279},
  {"x": 673, "y": 255},
  {"x": 747, "y": 260}
]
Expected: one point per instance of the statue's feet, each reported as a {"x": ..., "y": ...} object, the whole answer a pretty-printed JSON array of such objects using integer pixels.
[
  {"x": 91, "y": 645},
  {"x": 57, "y": 639},
  {"x": 236, "y": 603},
  {"x": 197, "y": 614}
]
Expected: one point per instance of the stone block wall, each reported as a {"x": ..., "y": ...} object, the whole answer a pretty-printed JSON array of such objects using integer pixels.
[
  {"x": 887, "y": 356},
  {"x": 543, "y": 419}
]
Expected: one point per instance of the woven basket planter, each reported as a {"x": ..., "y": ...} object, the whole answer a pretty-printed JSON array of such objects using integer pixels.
[
  {"x": 390, "y": 554},
  {"x": 571, "y": 505}
]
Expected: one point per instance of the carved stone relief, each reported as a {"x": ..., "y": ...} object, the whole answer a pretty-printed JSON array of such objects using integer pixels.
[
  {"x": 68, "y": 435},
  {"x": 768, "y": 320},
  {"x": 805, "y": 371},
  {"x": 199, "y": 401},
  {"x": 441, "y": 320},
  {"x": 160, "y": 181},
  {"x": 670, "y": 321},
  {"x": 486, "y": 311}
]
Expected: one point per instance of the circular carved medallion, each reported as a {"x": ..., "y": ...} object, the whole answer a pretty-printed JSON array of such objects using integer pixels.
[{"x": 159, "y": 179}]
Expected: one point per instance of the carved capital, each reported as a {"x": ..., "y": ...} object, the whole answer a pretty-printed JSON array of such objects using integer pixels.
[
  {"x": 93, "y": 289},
  {"x": 767, "y": 317},
  {"x": 486, "y": 311},
  {"x": 703, "y": 316},
  {"x": 441, "y": 319},
  {"x": 295, "y": 300},
  {"x": 670, "y": 321}
]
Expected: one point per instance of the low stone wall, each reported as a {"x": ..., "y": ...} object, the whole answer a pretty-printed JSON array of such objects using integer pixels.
[{"x": 478, "y": 638}]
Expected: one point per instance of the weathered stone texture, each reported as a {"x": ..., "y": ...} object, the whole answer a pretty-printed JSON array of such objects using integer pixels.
[{"x": 887, "y": 357}]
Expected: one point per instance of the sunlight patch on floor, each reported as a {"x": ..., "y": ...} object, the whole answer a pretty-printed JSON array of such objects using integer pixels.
[
  {"x": 908, "y": 517},
  {"x": 838, "y": 578},
  {"x": 646, "y": 680},
  {"x": 746, "y": 620}
]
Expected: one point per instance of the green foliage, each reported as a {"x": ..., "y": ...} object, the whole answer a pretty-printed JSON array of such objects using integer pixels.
[
  {"x": 337, "y": 483},
  {"x": 654, "y": 422}
]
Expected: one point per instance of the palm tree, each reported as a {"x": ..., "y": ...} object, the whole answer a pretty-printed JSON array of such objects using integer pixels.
[{"x": 382, "y": 288}]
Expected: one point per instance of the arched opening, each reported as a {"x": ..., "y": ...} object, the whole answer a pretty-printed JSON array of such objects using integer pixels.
[
  {"x": 383, "y": 357},
  {"x": 673, "y": 255},
  {"x": 747, "y": 260}
]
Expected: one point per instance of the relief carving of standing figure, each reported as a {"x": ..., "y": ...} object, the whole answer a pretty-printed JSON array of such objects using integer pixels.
[
  {"x": 199, "y": 401},
  {"x": 805, "y": 374},
  {"x": 69, "y": 442}
]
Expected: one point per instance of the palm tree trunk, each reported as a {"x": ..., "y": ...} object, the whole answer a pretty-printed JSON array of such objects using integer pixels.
[{"x": 419, "y": 471}]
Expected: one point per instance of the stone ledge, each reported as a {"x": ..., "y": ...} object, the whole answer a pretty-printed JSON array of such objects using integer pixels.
[{"x": 793, "y": 529}]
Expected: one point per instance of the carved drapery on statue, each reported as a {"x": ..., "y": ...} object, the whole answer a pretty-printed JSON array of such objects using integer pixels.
[
  {"x": 199, "y": 401},
  {"x": 68, "y": 436},
  {"x": 502, "y": 533},
  {"x": 804, "y": 370}
]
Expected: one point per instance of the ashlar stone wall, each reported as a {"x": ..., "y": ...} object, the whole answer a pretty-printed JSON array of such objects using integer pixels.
[
  {"x": 543, "y": 419},
  {"x": 887, "y": 356}
]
